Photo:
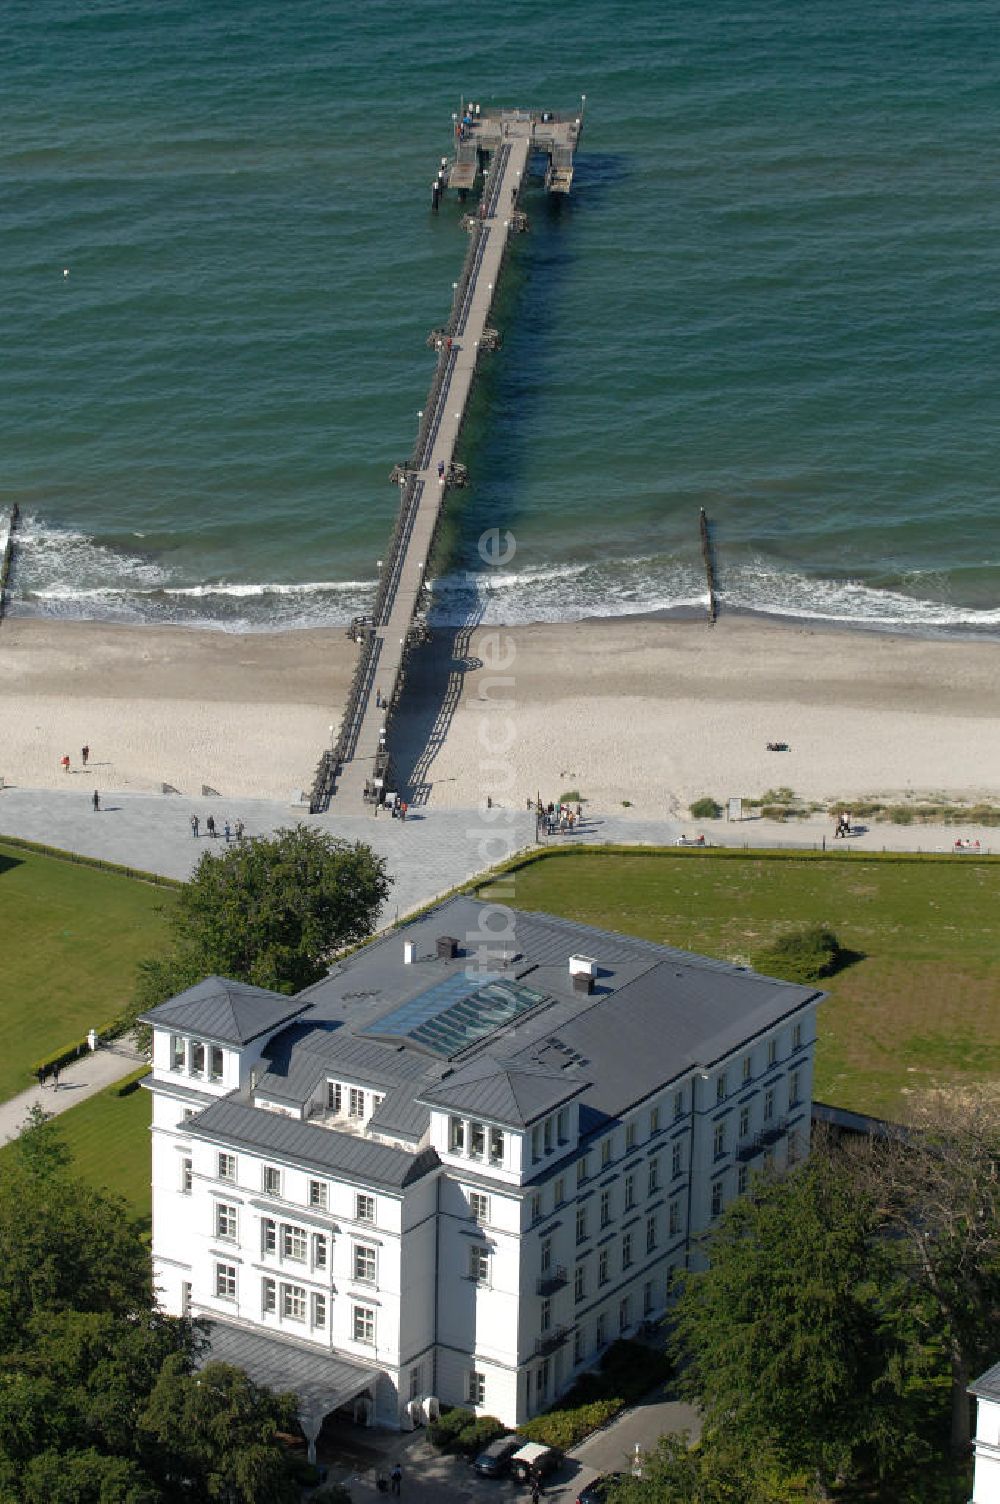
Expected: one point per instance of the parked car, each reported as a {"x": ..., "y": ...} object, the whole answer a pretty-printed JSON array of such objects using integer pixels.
[
  {"x": 597, "y": 1490},
  {"x": 534, "y": 1461},
  {"x": 495, "y": 1461}
]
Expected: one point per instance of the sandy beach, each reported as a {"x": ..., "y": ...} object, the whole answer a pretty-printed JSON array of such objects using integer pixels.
[{"x": 652, "y": 712}]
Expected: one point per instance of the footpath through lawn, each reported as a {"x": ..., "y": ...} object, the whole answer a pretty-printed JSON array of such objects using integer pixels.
[{"x": 918, "y": 1007}]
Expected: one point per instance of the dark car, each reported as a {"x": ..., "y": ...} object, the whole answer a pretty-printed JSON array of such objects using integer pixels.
[
  {"x": 495, "y": 1461},
  {"x": 597, "y": 1490},
  {"x": 534, "y": 1462}
]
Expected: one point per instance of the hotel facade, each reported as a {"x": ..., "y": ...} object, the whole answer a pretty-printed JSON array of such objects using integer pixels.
[{"x": 466, "y": 1161}]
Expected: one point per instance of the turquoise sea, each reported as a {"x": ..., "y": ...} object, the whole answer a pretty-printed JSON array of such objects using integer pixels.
[{"x": 773, "y": 293}]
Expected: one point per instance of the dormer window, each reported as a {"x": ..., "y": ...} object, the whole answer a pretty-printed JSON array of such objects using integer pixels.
[
  {"x": 178, "y": 1052},
  {"x": 215, "y": 1063},
  {"x": 334, "y": 1097},
  {"x": 197, "y": 1058},
  {"x": 356, "y": 1107},
  {"x": 456, "y": 1136},
  {"x": 478, "y": 1141},
  {"x": 496, "y": 1146}
]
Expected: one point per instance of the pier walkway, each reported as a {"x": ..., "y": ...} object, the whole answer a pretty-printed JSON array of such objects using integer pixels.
[{"x": 358, "y": 767}]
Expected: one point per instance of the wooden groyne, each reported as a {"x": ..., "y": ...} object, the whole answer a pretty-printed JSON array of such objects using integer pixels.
[
  {"x": 7, "y": 531},
  {"x": 708, "y": 555},
  {"x": 493, "y": 147}
]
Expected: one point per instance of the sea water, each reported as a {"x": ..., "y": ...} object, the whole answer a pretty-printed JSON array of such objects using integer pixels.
[{"x": 771, "y": 294}]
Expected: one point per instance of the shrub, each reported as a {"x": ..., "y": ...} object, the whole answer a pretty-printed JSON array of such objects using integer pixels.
[
  {"x": 900, "y": 814},
  {"x": 563, "y": 1428},
  {"x": 572, "y": 796},
  {"x": 803, "y": 955},
  {"x": 628, "y": 1371},
  {"x": 705, "y": 808},
  {"x": 331, "y": 1493},
  {"x": 473, "y": 1439},
  {"x": 442, "y": 1432},
  {"x": 774, "y": 811}
]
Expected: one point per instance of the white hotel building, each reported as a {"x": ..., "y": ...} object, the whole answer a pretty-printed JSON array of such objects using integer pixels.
[{"x": 462, "y": 1164}]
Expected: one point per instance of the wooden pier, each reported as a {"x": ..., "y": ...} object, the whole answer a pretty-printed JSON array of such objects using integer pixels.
[{"x": 359, "y": 764}]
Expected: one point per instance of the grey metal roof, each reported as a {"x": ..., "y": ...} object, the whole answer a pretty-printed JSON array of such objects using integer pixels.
[
  {"x": 321, "y": 1380},
  {"x": 987, "y": 1386},
  {"x": 224, "y": 1011},
  {"x": 235, "y": 1121},
  {"x": 501, "y": 1093}
]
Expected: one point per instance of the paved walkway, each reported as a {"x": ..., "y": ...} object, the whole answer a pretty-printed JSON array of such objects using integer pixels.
[{"x": 84, "y": 1078}]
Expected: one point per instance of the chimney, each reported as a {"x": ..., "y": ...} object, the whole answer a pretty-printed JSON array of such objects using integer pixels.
[
  {"x": 582, "y": 966},
  {"x": 447, "y": 947},
  {"x": 409, "y": 952},
  {"x": 583, "y": 982}
]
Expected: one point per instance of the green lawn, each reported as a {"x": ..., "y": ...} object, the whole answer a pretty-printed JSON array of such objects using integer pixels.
[
  {"x": 71, "y": 937},
  {"x": 919, "y": 1007}
]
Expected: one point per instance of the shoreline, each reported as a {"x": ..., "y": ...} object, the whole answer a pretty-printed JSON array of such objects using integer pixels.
[{"x": 650, "y": 711}]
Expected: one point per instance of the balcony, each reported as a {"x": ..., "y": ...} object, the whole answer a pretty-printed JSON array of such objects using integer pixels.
[
  {"x": 553, "y": 1280},
  {"x": 749, "y": 1148},
  {"x": 550, "y": 1340}
]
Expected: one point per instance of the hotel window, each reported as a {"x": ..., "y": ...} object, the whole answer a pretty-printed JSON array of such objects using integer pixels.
[
  {"x": 747, "y": 1067},
  {"x": 356, "y": 1103},
  {"x": 623, "y": 1305},
  {"x": 602, "y": 1329},
  {"x": 769, "y": 1161},
  {"x": 536, "y": 1142},
  {"x": 364, "y": 1324},
  {"x": 536, "y": 1207},
  {"x": 319, "y": 1251},
  {"x": 319, "y": 1310},
  {"x": 496, "y": 1146},
  {"x": 478, "y": 1141},
  {"x": 225, "y": 1281},
  {"x": 716, "y": 1197},
  {"x": 547, "y": 1135},
  {"x": 797, "y": 1037},
  {"x": 581, "y": 1170},
  {"x": 793, "y": 1088},
  {"x": 769, "y": 1104},
  {"x": 377, "y": 1103},
  {"x": 268, "y": 1296},
  {"x": 293, "y": 1302},
  {"x": 197, "y": 1058},
  {"x": 653, "y": 1177},
  {"x": 545, "y": 1316},
  {"x": 479, "y": 1265},
  {"x": 674, "y": 1224},
  {"x": 579, "y": 1282},
  {"x": 720, "y": 1088},
  {"x": 364, "y": 1263},
  {"x": 626, "y": 1250},
  {"x": 227, "y": 1167},
  {"x": 187, "y": 1176},
  {"x": 558, "y": 1192},
  {"x": 479, "y": 1206},
  {"x": 562, "y": 1125},
  {"x": 545, "y": 1255},
  {"x": 225, "y": 1221},
  {"x": 577, "y": 1346},
  {"x": 334, "y": 1097},
  {"x": 654, "y": 1121},
  {"x": 456, "y": 1136},
  {"x": 675, "y": 1159},
  {"x": 215, "y": 1063},
  {"x": 177, "y": 1052},
  {"x": 416, "y": 1381},
  {"x": 187, "y": 1113},
  {"x": 606, "y": 1152},
  {"x": 581, "y": 1223},
  {"x": 742, "y": 1180},
  {"x": 678, "y": 1104},
  {"x": 629, "y": 1192},
  {"x": 719, "y": 1140},
  {"x": 650, "y": 1234},
  {"x": 744, "y": 1121},
  {"x": 476, "y": 1388},
  {"x": 772, "y": 1051},
  {"x": 272, "y": 1181},
  {"x": 364, "y": 1208},
  {"x": 293, "y": 1243},
  {"x": 318, "y": 1194},
  {"x": 268, "y": 1235},
  {"x": 792, "y": 1152},
  {"x": 605, "y": 1208},
  {"x": 602, "y": 1267},
  {"x": 647, "y": 1297},
  {"x": 629, "y": 1136}
]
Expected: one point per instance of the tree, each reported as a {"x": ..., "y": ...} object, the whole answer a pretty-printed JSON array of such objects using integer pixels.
[
  {"x": 937, "y": 1190},
  {"x": 272, "y": 911},
  {"x": 39, "y": 1147},
  {"x": 714, "y": 1472},
  {"x": 215, "y": 1432},
  {"x": 84, "y": 1477},
  {"x": 788, "y": 1335},
  {"x": 803, "y": 955}
]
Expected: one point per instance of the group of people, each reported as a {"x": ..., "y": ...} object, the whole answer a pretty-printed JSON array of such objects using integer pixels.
[
  {"x": 553, "y": 817},
  {"x": 843, "y": 826},
  {"x": 64, "y": 761},
  {"x": 212, "y": 830},
  {"x": 966, "y": 845}
]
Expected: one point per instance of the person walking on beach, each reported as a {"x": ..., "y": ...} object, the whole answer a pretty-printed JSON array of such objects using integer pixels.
[
  {"x": 84, "y": 755},
  {"x": 97, "y": 801},
  {"x": 65, "y": 763},
  {"x": 239, "y": 831},
  {"x": 210, "y": 826},
  {"x": 226, "y": 832},
  {"x": 396, "y": 1479},
  {"x": 195, "y": 822},
  {"x": 55, "y": 1078}
]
